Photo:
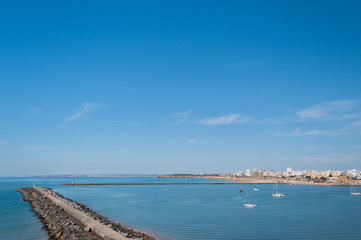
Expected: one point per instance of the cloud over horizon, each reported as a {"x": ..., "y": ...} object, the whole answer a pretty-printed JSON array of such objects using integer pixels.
[
  {"x": 314, "y": 132},
  {"x": 335, "y": 110},
  {"x": 357, "y": 123},
  {"x": 224, "y": 120},
  {"x": 192, "y": 140}
]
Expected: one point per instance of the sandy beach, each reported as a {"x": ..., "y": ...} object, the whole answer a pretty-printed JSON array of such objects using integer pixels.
[{"x": 263, "y": 180}]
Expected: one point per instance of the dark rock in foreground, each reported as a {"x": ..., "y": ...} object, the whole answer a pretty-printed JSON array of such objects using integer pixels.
[{"x": 61, "y": 225}]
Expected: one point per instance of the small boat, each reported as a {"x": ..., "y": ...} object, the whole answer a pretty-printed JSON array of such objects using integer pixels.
[
  {"x": 241, "y": 190},
  {"x": 248, "y": 204},
  {"x": 255, "y": 189},
  {"x": 276, "y": 193},
  {"x": 354, "y": 193}
]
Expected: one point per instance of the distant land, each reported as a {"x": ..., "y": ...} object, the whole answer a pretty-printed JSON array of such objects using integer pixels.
[
  {"x": 301, "y": 180},
  {"x": 96, "y": 175}
]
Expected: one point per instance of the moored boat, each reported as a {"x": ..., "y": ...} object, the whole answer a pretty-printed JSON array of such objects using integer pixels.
[
  {"x": 248, "y": 204},
  {"x": 354, "y": 193},
  {"x": 276, "y": 193}
]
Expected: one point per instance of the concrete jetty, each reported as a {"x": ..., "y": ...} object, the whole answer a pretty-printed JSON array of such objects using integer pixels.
[
  {"x": 97, "y": 227},
  {"x": 66, "y": 219}
]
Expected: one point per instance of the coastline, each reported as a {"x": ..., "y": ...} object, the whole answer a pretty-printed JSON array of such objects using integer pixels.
[
  {"x": 261, "y": 180},
  {"x": 214, "y": 183},
  {"x": 64, "y": 218}
]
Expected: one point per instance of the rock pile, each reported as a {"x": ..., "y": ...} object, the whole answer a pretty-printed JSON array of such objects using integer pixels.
[{"x": 60, "y": 225}]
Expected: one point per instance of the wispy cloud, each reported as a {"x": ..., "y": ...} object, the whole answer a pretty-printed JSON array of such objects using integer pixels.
[
  {"x": 4, "y": 142},
  {"x": 37, "y": 108},
  {"x": 192, "y": 140},
  {"x": 182, "y": 117},
  {"x": 37, "y": 148},
  {"x": 227, "y": 119},
  {"x": 335, "y": 110},
  {"x": 357, "y": 123},
  {"x": 299, "y": 132},
  {"x": 86, "y": 107},
  {"x": 269, "y": 121},
  {"x": 186, "y": 113}
]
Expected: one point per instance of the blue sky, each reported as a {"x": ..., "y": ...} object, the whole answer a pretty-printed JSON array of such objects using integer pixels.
[{"x": 187, "y": 86}]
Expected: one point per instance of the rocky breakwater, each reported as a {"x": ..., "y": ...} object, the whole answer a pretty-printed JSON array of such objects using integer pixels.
[{"x": 67, "y": 219}]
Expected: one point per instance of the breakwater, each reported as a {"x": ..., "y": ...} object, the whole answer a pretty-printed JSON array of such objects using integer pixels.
[
  {"x": 67, "y": 219},
  {"x": 209, "y": 183},
  {"x": 158, "y": 183}
]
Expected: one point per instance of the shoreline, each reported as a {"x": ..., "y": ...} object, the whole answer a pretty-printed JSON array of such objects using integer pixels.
[
  {"x": 215, "y": 183},
  {"x": 64, "y": 218},
  {"x": 264, "y": 180}
]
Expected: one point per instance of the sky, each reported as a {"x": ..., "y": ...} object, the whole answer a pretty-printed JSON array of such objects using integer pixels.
[{"x": 155, "y": 87}]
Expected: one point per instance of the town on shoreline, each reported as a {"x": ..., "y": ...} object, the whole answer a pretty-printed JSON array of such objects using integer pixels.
[{"x": 290, "y": 176}]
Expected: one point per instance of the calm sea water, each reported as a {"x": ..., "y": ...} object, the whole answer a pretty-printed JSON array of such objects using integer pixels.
[{"x": 196, "y": 211}]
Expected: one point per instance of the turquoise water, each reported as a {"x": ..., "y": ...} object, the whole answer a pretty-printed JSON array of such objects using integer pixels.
[
  {"x": 16, "y": 219},
  {"x": 207, "y": 211}
]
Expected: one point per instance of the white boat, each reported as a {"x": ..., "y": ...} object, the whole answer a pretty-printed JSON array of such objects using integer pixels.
[
  {"x": 255, "y": 189},
  {"x": 276, "y": 193},
  {"x": 354, "y": 193},
  {"x": 248, "y": 204}
]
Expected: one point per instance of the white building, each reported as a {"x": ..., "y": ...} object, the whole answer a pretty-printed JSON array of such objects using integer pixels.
[
  {"x": 248, "y": 172},
  {"x": 239, "y": 173}
]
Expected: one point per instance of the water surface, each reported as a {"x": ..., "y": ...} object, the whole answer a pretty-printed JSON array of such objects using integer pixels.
[
  {"x": 195, "y": 211},
  {"x": 217, "y": 212}
]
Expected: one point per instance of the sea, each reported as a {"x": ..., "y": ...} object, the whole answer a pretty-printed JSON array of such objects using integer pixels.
[{"x": 194, "y": 211}]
